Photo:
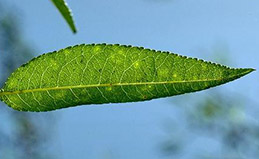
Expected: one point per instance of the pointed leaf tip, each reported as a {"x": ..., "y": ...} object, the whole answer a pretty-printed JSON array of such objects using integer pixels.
[
  {"x": 246, "y": 71},
  {"x": 63, "y": 8},
  {"x": 102, "y": 73}
]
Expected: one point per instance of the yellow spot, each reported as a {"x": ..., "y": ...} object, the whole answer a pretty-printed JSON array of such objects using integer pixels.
[
  {"x": 147, "y": 88},
  {"x": 59, "y": 95},
  {"x": 163, "y": 72},
  {"x": 66, "y": 52},
  {"x": 174, "y": 75},
  {"x": 204, "y": 66},
  {"x": 136, "y": 65},
  {"x": 195, "y": 77},
  {"x": 97, "y": 48},
  {"x": 39, "y": 97},
  {"x": 108, "y": 88},
  {"x": 54, "y": 64},
  {"x": 120, "y": 52}
]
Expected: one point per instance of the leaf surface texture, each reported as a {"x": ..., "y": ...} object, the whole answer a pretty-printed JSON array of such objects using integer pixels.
[{"x": 102, "y": 73}]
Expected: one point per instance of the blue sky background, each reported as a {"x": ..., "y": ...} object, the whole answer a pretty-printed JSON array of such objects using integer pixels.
[{"x": 193, "y": 28}]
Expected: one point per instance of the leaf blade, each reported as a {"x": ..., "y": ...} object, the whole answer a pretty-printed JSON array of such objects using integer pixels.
[
  {"x": 96, "y": 74},
  {"x": 64, "y": 10}
]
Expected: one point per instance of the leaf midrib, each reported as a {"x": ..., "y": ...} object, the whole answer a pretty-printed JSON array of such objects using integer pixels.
[{"x": 116, "y": 84}]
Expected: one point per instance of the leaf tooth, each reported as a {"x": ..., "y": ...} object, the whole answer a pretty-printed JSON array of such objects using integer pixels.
[
  {"x": 246, "y": 70},
  {"x": 129, "y": 46},
  {"x": 104, "y": 44},
  {"x": 243, "y": 72}
]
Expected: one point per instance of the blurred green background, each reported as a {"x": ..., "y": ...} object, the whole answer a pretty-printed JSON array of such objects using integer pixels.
[{"x": 219, "y": 123}]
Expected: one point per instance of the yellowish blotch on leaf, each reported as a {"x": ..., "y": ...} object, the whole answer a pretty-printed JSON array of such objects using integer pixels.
[
  {"x": 136, "y": 65},
  {"x": 163, "y": 72},
  {"x": 120, "y": 52},
  {"x": 109, "y": 88},
  {"x": 97, "y": 49}
]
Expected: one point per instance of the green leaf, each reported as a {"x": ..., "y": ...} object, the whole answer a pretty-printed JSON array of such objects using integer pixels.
[
  {"x": 96, "y": 74},
  {"x": 66, "y": 13}
]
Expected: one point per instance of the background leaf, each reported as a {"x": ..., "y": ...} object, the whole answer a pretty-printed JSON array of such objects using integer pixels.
[
  {"x": 96, "y": 74},
  {"x": 66, "y": 13}
]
